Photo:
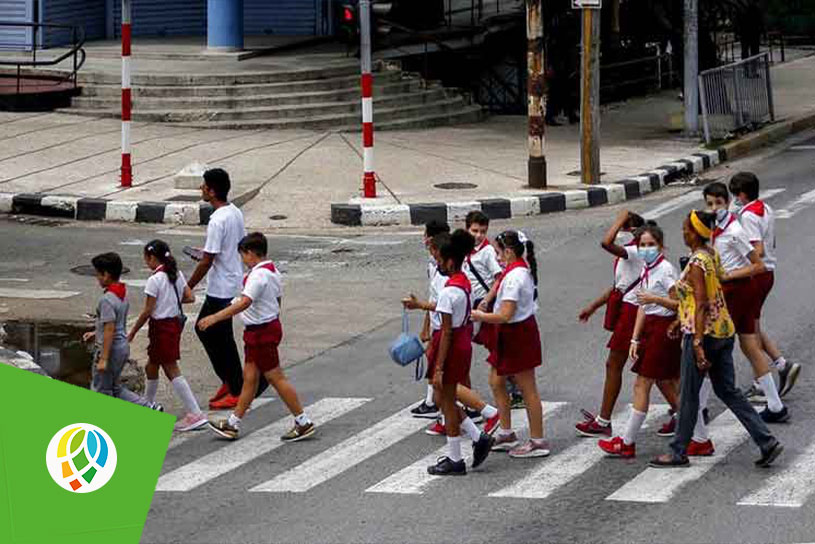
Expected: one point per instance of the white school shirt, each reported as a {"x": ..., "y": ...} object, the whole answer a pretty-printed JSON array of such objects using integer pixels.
[
  {"x": 761, "y": 229},
  {"x": 518, "y": 287},
  {"x": 437, "y": 283},
  {"x": 733, "y": 245},
  {"x": 264, "y": 287},
  {"x": 660, "y": 280},
  {"x": 626, "y": 272},
  {"x": 224, "y": 232},
  {"x": 453, "y": 301},
  {"x": 485, "y": 261},
  {"x": 158, "y": 286}
]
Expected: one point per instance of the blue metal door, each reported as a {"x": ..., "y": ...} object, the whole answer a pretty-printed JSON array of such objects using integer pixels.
[
  {"x": 89, "y": 14},
  {"x": 16, "y": 37},
  {"x": 283, "y": 17},
  {"x": 163, "y": 17}
]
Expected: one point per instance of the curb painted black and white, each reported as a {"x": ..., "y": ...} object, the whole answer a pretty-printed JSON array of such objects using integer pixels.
[{"x": 362, "y": 214}]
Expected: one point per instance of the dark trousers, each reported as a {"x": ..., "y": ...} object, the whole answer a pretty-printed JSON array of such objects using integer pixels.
[
  {"x": 722, "y": 375},
  {"x": 219, "y": 343}
]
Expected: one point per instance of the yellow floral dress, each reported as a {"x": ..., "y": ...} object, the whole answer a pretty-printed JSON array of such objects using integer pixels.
[{"x": 718, "y": 323}]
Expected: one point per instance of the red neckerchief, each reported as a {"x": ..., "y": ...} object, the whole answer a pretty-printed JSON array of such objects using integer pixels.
[
  {"x": 617, "y": 260},
  {"x": 646, "y": 270},
  {"x": 268, "y": 265},
  {"x": 118, "y": 289},
  {"x": 459, "y": 279},
  {"x": 520, "y": 263},
  {"x": 718, "y": 231},
  {"x": 484, "y": 243},
  {"x": 756, "y": 207}
]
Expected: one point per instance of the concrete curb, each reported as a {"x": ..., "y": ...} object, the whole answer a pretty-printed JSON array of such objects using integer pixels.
[{"x": 363, "y": 214}]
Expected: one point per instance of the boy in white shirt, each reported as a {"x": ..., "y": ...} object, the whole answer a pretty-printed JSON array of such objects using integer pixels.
[{"x": 259, "y": 308}]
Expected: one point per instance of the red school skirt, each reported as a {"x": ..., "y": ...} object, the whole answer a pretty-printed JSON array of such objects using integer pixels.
[
  {"x": 624, "y": 329},
  {"x": 659, "y": 356},
  {"x": 764, "y": 284},
  {"x": 743, "y": 303},
  {"x": 518, "y": 347},
  {"x": 164, "y": 335},
  {"x": 260, "y": 344},
  {"x": 457, "y": 366}
]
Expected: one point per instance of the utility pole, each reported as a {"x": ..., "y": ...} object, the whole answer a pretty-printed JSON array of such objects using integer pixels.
[
  {"x": 126, "y": 176},
  {"x": 368, "y": 175},
  {"x": 536, "y": 89},
  {"x": 691, "y": 76},
  {"x": 590, "y": 91}
]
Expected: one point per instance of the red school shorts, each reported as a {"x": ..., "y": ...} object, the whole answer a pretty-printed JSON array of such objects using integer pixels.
[
  {"x": 624, "y": 329},
  {"x": 459, "y": 357},
  {"x": 165, "y": 341},
  {"x": 764, "y": 284},
  {"x": 260, "y": 344},
  {"x": 743, "y": 303},
  {"x": 659, "y": 356}
]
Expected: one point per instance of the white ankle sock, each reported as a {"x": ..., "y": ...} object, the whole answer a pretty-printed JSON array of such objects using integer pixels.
[
  {"x": 505, "y": 432},
  {"x": 704, "y": 393},
  {"x": 454, "y": 447},
  {"x": 780, "y": 363},
  {"x": 700, "y": 432},
  {"x": 302, "y": 420},
  {"x": 602, "y": 422},
  {"x": 428, "y": 399},
  {"x": 489, "y": 411},
  {"x": 469, "y": 427},
  {"x": 635, "y": 421},
  {"x": 182, "y": 389},
  {"x": 234, "y": 420},
  {"x": 767, "y": 385},
  {"x": 150, "y": 390}
]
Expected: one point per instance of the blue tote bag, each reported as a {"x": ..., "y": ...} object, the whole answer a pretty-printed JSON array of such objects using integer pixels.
[{"x": 407, "y": 348}]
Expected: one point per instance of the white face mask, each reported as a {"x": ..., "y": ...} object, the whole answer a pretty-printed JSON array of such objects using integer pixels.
[
  {"x": 623, "y": 238},
  {"x": 721, "y": 215}
]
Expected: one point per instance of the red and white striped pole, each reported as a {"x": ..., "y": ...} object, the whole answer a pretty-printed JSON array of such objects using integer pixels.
[
  {"x": 368, "y": 176},
  {"x": 127, "y": 170}
]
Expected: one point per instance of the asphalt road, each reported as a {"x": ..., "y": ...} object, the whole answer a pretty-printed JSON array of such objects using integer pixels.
[{"x": 360, "y": 479}]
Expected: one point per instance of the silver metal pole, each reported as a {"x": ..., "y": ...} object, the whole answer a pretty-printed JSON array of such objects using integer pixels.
[
  {"x": 691, "y": 67},
  {"x": 703, "y": 99}
]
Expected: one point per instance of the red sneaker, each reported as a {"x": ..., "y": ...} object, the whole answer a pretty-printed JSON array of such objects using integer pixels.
[
  {"x": 226, "y": 403},
  {"x": 437, "y": 429},
  {"x": 220, "y": 393},
  {"x": 700, "y": 449},
  {"x": 491, "y": 425},
  {"x": 591, "y": 428},
  {"x": 668, "y": 429},
  {"x": 618, "y": 448}
]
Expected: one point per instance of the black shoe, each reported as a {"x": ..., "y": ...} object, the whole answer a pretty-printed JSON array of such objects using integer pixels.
[
  {"x": 787, "y": 378},
  {"x": 475, "y": 415},
  {"x": 775, "y": 417},
  {"x": 446, "y": 467},
  {"x": 425, "y": 411},
  {"x": 669, "y": 461},
  {"x": 481, "y": 449},
  {"x": 706, "y": 416},
  {"x": 767, "y": 457}
]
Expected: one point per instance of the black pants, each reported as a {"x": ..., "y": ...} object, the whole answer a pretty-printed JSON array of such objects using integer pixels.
[{"x": 219, "y": 343}]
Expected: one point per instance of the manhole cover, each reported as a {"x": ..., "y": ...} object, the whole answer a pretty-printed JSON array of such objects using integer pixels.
[
  {"x": 278, "y": 217},
  {"x": 455, "y": 185},
  {"x": 577, "y": 173},
  {"x": 88, "y": 270},
  {"x": 185, "y": 198}
]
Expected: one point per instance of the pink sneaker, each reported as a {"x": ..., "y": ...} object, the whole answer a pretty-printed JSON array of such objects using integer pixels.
[
  {"x": 532, "y": 448},
  {"x": 505, "y": 442},
  {"x": 191, "y": 422}
]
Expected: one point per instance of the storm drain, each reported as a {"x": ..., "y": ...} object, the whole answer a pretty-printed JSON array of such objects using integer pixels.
[{"x": 455, "y": 186}]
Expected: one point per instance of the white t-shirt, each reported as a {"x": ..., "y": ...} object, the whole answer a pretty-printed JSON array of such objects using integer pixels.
[
  {"x": 660, "y": 280},
  {"x": 453, "y": 301},
  {"x": 518, "y": 287},
  {"x": 485, "y": 262},
  {"x": 224, "y": 233},
  {"x": 264, "y": 287},
  {"x": 733, "y": 246},
  {"x": 158, "y": 286},
  {"x": 626, "y": 272},
  {"x": 761, "y": 229},
  {"x": 437, "y": 283}
]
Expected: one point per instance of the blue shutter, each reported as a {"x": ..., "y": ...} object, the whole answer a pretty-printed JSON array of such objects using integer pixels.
[
  {"x": 282, "y": 17},
  {"x": 163, "y": 17},
  {"x": 89, "y": 14},
  {"x": 15, "y": 38}
]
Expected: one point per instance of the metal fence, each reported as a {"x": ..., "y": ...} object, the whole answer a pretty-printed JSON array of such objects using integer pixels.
[{"x": 737, "y": 96}]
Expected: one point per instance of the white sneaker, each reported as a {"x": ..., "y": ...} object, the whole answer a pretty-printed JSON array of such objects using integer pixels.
[{"x": 191, "y": 422}]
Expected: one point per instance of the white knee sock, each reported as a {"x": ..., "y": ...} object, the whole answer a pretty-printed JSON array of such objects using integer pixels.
[
  {"x": 454, "y": 447},
  {"x": 470, "y": 428},
  {"x": 767, "y": 385},
  {"x": 150, "y": 389},
  {"x": 182, "y": 389},
  {"x": 428, "y": 399},
  {"x": 489, "y": 411},
  {"x": 634, "y": 423},
  {"x": 704, "y": 393}
]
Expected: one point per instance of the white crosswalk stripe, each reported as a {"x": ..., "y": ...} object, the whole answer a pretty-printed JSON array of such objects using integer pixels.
[
  {"x": 250, "y": 447},
  {"x": 414, "y": 479},
  {"x": 790, "y": 488},
  {"x": 802, "y": 202},
  {"x": 345, "y": 455},
  {"x": 657, "y": 485},
  {"x": 692, "y": 197}
]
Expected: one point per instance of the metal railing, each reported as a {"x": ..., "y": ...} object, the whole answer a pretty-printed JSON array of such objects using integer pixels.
[
  {"x": 644, "y": 73},
  {"x": 737, "y": 96}
]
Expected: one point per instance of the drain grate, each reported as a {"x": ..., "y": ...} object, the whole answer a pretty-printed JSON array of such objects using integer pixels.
[
  {"x": 88, "y": 270},
  {"x": 577, "y": 173},
  {"x": 37, "y": 221},
  {"x": 278, "y": 217},
  {"x": 455, "y": 185},
  {"x": 185, "y": 198}
]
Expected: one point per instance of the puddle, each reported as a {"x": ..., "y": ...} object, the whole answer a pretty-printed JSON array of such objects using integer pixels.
[{"x": 56, "y": 347}]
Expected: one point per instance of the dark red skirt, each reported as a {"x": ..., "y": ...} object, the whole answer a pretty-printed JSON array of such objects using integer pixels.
[
  {"x": 260, "y": 344},
  {"x": 624, "y": 329},
  {"x": 659, "y": 356},
  {"x": 518, "y": 347},
  {"x": 165, "y": 341},
  {"x": 743, "y": 303},
  {"x": 764, "y": 284},
  {"x": 457, "y": 366}
]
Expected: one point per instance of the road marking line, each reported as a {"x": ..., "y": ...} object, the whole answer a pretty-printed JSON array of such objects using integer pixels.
[
  {"x": 804, "y": 201},
  {"x": 414, "y": 479},
  {"x": 560, "y": 469},
  {"x": 655, "y": 485},
  {"x": 250, "y": 447},
  {"x": 15, "y": 280},
  {"x": 803, "y": 148},
  {"x": 789, "y": 488},
  {"x": 345, "y": 455},
  {"x": 179, "y": 438},
  {"x": 36, "y": 294},
  {"x": 673, "y": 204}
]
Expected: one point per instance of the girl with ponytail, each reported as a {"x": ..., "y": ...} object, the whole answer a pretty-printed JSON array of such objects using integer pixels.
[{"x": 165, "y": 291}]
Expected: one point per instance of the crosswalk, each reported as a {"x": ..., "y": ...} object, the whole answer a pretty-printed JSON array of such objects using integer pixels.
[{"x": 790, "y": 484}]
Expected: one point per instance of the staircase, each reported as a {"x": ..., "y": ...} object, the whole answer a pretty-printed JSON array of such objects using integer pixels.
[{"x": 326, "y": 98}]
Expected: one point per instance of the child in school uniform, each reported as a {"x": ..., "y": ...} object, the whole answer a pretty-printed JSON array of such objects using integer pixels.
[
  {"x": 518, "y": 350},
  {"x": 259, "y": 308},
  {"x": 166, "y": 290},
  {"x": 656, "y": 356}
]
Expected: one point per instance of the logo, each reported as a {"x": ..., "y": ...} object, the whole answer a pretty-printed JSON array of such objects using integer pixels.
[{"x": 81, "y": 458}]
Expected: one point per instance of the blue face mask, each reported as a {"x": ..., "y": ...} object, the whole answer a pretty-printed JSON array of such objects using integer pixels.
[
  {"x": 721, "y": 215},
  {"x": 648, "y": 254},
  {"x": 737, "y": 204}
]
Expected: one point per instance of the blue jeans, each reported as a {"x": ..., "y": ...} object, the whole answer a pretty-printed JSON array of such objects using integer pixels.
[{"x": 719, "y": 352}]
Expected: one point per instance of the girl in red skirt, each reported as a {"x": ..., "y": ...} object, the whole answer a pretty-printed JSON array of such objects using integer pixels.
[
  {"x": 165, "y": 292},
  {"x": 656, "y": 356},
  {"x": 517, "y": 349}
]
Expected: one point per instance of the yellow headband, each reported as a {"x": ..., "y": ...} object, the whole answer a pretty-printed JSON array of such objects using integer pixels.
[{"x": 699, "y": 227}]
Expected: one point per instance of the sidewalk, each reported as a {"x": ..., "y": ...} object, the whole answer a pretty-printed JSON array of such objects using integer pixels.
[{"x": 299, "y": 174}]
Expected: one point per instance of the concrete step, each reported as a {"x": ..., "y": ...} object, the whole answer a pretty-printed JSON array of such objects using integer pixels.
[
  {"x": 468, "y": 114},
  {"x": 274, "y": 112},
  {"x": 142, "y": 103}
]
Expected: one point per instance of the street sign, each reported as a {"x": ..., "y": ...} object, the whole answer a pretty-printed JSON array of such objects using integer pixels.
[{"x": 587, "y": 4}]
